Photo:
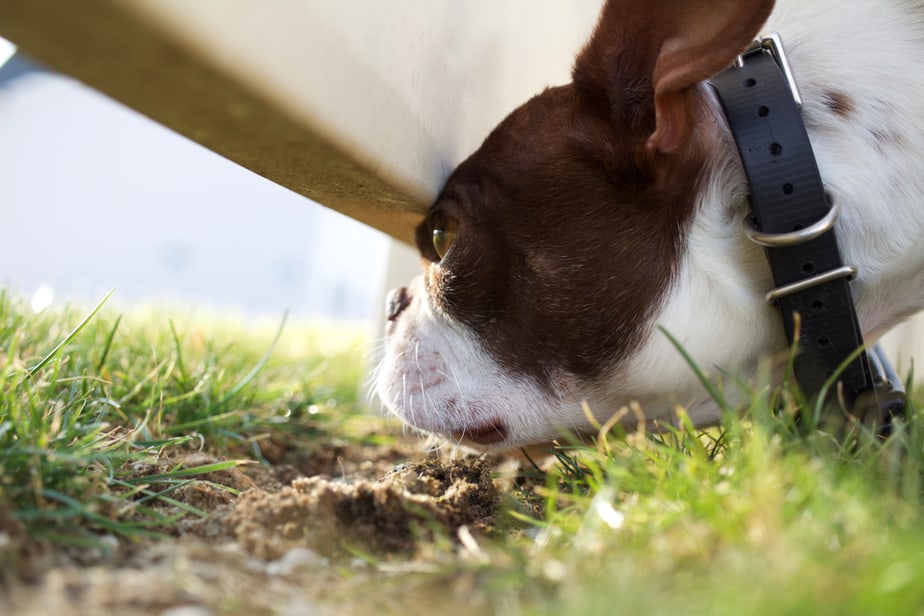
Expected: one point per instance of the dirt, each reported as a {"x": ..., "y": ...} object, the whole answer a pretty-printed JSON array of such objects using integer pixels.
[{"x": 306, "y": 534}]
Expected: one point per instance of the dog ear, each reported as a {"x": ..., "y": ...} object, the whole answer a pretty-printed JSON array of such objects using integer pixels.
[{"x": 669, "y": 46}]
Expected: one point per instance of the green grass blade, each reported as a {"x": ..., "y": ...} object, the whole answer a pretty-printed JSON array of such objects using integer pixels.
[
  {"x": 185, "y": 472},
  {"x": 44, "y": 361},
  {"x": 700, "y": 375},
  {"x": 108, "y": 344},
  {"x": 178, "y": 349},
  {"x": 256, "y": 369}
]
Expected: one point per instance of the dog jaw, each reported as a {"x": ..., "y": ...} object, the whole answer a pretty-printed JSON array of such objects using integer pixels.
[{"x": 438, "y": 377}]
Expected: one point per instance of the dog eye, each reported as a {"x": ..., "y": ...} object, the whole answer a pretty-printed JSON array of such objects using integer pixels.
[{"x": 444, "y": 232}]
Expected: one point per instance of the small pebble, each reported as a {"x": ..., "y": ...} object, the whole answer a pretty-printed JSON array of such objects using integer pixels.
[
  {"x": 295, "y": 559},
  {"x": 300, "y": 609},
  {"x": 187, "y": 610}
]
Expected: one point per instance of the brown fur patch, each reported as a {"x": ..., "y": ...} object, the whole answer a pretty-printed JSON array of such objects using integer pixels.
[
  {"x": 569, "y": 232},
  {"x": 839, "y": 103}
]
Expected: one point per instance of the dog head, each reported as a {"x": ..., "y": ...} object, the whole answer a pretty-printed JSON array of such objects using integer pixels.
[{"x": 552, "y": 252}]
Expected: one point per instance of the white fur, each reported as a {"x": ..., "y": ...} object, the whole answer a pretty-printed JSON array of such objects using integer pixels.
[{"x": 868, "y": 51}]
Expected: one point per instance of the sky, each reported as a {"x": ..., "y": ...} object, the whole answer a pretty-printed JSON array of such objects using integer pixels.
[{"x": 95, "y": 196}]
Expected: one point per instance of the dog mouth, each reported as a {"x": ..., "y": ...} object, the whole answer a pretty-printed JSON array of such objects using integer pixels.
[{"x": 486, "y": 434}]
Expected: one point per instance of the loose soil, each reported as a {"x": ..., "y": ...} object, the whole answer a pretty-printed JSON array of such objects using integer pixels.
[{"x": 321, "y": 533}]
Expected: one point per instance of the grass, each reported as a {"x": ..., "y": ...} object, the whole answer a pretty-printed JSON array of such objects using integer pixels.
[
  {"x": 758, "y": 516},
  {"x": 84, "y": 397},
  {"x": 749, "y": 519}
]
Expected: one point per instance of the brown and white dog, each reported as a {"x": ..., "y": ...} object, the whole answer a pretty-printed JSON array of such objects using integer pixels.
[{"x": 603, "y": 208}]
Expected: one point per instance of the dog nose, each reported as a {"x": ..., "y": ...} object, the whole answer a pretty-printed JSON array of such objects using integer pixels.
[{"x": 397, "y": 300}]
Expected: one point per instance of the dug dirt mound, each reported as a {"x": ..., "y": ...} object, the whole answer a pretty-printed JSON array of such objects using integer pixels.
[{"x": 415, "y": 502}]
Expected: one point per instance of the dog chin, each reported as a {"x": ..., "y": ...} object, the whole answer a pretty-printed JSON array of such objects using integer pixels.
[{"x": 438, "y": 377}]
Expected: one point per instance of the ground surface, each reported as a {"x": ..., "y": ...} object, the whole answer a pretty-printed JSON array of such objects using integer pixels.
[
  {"x": 159, "y": 466},
  {"x": 303, "y": 536}
]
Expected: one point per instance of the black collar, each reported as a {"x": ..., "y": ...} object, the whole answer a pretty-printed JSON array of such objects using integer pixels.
[{"x": 793, "y": 219}]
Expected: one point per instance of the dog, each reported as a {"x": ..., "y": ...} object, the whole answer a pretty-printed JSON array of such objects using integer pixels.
[{"x": 604, "y": 212}]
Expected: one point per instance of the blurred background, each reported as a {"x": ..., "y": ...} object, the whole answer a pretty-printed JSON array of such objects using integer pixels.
[{"x": 96, "y": 196}]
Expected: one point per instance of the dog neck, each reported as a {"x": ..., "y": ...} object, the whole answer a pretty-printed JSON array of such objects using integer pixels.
[{"x": 864, "y": 146}]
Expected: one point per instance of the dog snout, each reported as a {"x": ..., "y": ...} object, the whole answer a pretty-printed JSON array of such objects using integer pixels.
[{"x": 397, "y": 300}]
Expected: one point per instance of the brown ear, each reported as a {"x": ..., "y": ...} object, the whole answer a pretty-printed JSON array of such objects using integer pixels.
[{"x": 671, "y": 45}]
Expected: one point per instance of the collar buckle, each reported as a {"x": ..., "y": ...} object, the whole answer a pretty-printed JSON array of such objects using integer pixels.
[
  {"x": 792, "y": 238},
  {"x": 772, "y": 43}
]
